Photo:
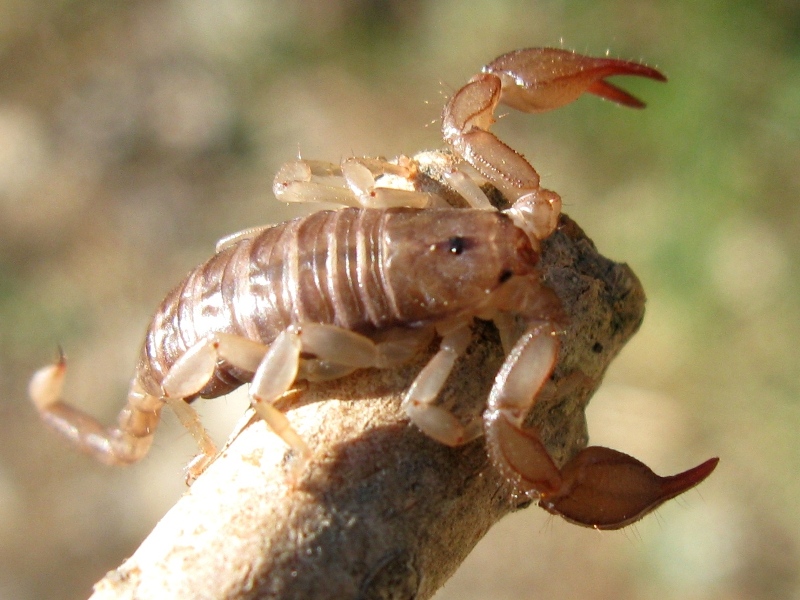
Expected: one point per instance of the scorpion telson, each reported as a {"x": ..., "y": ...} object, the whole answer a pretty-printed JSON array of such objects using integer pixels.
[{"x": 372, "y": 284}]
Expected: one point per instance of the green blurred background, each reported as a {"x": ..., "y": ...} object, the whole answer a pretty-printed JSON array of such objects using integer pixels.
[{"x": 135, "y": 134}]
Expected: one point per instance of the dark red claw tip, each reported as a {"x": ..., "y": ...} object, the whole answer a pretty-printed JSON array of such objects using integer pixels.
[{"x": 682, "y": 482}]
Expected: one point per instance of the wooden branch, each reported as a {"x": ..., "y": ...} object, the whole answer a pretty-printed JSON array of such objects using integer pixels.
[{"x": 382, "y": 511}]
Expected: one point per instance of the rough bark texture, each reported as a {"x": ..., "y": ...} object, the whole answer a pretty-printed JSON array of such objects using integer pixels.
[{"x": 382, "y": 511}]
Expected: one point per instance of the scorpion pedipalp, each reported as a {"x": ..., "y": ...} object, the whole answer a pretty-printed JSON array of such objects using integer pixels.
[
  {"x": 607, "y": 489},
  {"x": 540, "y": 79},
  {"x": 530, "y": 80},
  {"x": 599, "y": 487}
]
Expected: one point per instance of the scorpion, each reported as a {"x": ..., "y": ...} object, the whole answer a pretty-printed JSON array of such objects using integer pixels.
[{"x": 373, "y": 283}]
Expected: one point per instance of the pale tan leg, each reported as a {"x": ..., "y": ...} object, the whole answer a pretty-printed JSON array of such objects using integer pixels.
[
  {"x": 230, "y": 240},
  {"x": 312, "y": 181},
  {"x": 191, "y": 373},
  {"x": 435, "y": 421},
  {"x": 360, "y": 176},
  {"x": 187, "y": 377},
  {"x": 466, "y": 187},
  {"x": 191, "y": 421},
  {"x": 349, "y": 349},
  {"x": 353, "y": 183},
  {"x": 337, "y": 352},
  {"x": 250, "y": 416},
  {"x": 273, "y": 378}
]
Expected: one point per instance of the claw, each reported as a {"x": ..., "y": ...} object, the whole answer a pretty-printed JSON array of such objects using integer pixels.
[
  {"x": 607, "y": 489},
  {"x": 540, "y": 79},
  {"x": 521, "y": 456},
  {"x": 598, "y": 487},
  {"x": 531, "y": 80}
]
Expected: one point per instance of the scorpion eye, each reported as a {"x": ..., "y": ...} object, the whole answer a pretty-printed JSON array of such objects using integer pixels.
[
  {"x": 506, "y": 275},
  {"x": 457, "y": 245}
]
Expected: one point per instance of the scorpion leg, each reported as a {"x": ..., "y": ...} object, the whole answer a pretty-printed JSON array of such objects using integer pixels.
[
  {"x": 435, "y": 421},
  {"x": 599, "y": 487},
  {"x": 311, "y": 181},
  {"x": 353, "y": 183},
  {"x": 276, "y": 367},
  {"x": 234, "y": 238},
  {"x": 191, "y": 372},
  {"x": 348, "y": 349},
  {"x": 281, "y": 365},
  {"x": 359, "y": 174},
  {"x": 468, "y": 189},
  {"x": 126, "y": 443},
  {"x": 273, "y": 378}
]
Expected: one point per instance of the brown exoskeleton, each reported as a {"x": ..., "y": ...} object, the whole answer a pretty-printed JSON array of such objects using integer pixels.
[{"x": 372, "y": 284}]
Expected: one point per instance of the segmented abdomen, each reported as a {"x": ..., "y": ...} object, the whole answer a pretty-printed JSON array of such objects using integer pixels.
[{"x": 324, "y": 268}]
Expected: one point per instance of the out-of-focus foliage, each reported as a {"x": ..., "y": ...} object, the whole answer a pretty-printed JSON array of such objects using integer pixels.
[{"x": 133, "y": 135}]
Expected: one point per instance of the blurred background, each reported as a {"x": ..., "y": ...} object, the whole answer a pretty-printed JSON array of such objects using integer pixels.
[{"x": 135, "y": 134}]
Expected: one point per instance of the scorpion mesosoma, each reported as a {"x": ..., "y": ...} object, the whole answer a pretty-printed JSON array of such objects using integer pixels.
[{"x": 373, "y": 283}]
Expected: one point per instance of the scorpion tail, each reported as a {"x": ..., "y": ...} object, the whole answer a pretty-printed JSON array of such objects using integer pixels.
[{"x": 121, "y": 445}]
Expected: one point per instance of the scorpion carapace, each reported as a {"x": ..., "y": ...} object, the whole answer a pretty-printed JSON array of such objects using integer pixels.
[{"x": 372, "y": 285}]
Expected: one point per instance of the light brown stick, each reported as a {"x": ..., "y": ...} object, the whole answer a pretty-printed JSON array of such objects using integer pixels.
[{"x": 382, "y": 511}]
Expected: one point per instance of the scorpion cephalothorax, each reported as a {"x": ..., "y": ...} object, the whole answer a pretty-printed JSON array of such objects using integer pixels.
[{"x": 371, "y": 285}]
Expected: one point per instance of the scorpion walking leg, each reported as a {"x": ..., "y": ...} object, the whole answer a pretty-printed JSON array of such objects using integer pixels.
[
  {"x": 350, "y": 350},
  {"x": 359, "y": 175},
  {"x": 435, "y": 421},
  {"x": 353, "y": 183},
  {"x": 335, "y": 351},
  {"x": 468, "y": 189},
  {"x": 599, "y": 487},
  {"x": 340, "y": 347},
  {"x": 235, "y": 238},
  {"x": 191, "y": 372},
  {"x": 311, "y": 181},
  {"x": 121, "y": 445}
]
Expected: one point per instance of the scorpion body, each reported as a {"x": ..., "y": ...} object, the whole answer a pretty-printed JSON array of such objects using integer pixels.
[
  {"x": 348, "y": 268},
  {"x": 371, "y": 286}
]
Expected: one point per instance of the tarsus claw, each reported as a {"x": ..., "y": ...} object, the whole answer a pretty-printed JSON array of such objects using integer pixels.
[{"x": 607, "y": 489}]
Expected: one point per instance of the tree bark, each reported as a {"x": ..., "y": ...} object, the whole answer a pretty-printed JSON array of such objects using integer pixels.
[{"x": 382, "y": 511}]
